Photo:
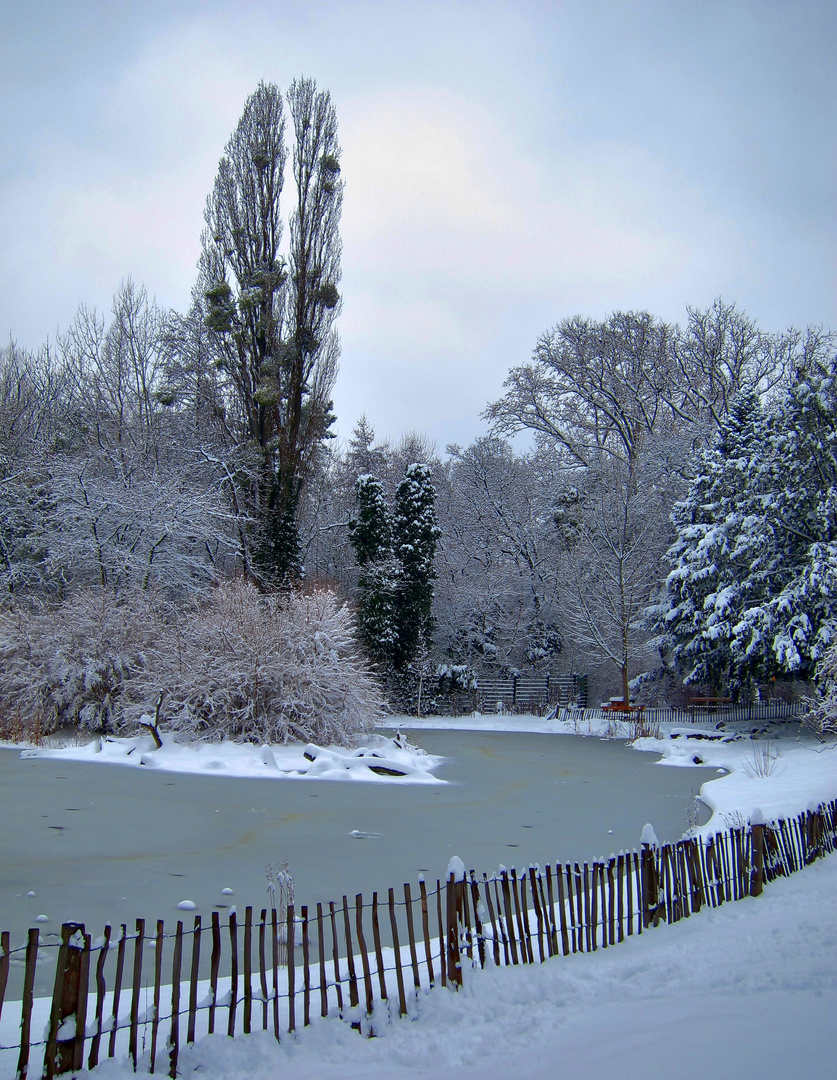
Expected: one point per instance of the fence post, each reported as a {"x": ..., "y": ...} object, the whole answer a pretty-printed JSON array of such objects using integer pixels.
[
  {"x": 757, "y": 877},
  {"x": 66, "y": 998},
  {"x": 454, "y": 965},
  {"x": 650, "y": 880}
]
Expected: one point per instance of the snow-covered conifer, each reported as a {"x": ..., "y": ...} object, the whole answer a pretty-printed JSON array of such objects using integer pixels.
[{"x": 415, "y": 535}]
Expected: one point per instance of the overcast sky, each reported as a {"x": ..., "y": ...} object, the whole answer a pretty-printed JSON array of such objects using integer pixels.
[{"x": 506, "y": 164}]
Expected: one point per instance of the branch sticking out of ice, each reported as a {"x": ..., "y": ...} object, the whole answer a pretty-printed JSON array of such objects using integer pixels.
[
  {"x": 456, "y": 867},
  {"x": 649, "y": 837}
]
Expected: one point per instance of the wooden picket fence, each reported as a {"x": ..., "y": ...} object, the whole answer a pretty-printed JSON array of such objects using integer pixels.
[{"x": 365, "y": 961}]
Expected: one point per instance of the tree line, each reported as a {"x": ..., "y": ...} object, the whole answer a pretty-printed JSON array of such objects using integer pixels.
[{"x": 673, "y": 518}]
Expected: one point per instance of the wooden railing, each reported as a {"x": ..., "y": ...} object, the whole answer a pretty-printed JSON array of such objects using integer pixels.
[{"x": 368, "y": 962}]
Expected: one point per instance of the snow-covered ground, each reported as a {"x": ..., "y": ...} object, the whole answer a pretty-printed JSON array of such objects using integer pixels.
[
  {"x": 745, "y": 990},
  {"x": 377, "y": 759}
]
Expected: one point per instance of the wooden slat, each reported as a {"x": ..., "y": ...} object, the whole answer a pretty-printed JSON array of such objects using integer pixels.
[
  {"x": 572, "y": 909},
  {"x": 579, "y": 906},
  {"x": 620, "y": 897},
  {"x": 425, "y": 929},
  {"x": 306, "y": 969},
  {"x": 501, "y": 922},
  {"x": 399, "y": 974},
  {"x": 214, "y": 966},
  {"x": 174, "y": 1030},
  {"x": 594, "y": 901},
  {"x": 454, "y": 959},
  {"x": 665, "y": 856},
  {"x": 81, "y": 1007},
  {"x": 379, "y": 956},
  {"x": 194, "y": 975},
  {"x": 248, "y": 970},
  {"x": 263, "y": 966},
  {"x": 52, "y": 1063},
  {"x": 442, "y": 946},
  {"x": 101, "y": 990},
  {"x": 464, "y": 910},
  {"x": 411, "y": 936},
  {"x": 136, "y": 989},
  {"x": 509, "y": 917},
  {"x": 350, "y": 959},
  {"x": 290, "y": 949},
  {"x": 158, "y": 973},
  {"x": 546, "y": 911},
  {"x": 26, "y": 1004},
  {"x": 562, "y": 909},
  {"x": 524, "y": 911},
  {"x": 518, "y": 917},
  {"x": 335, "y": 956},
  {"x": 5, "y": 949},
  {"x": 364, "y": 955},
  {"x": 322, "y": 963},
  {"x": 479, "y": 929},
  {"x": 636, "y": 891},
  {"x": 233, "y": 974},
  {"x": 685, "y": 879},
  {"x": 588, "y": 919},
  {"x": 117, "y": 989},
  {"x": 494, "y": 931},
  {"x": 536, "y": 901},
  {"x": 611, "y": 905},
  {"x": 553, "y": 926}
]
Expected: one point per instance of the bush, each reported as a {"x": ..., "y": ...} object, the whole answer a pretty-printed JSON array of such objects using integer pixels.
[
  {"x": 238, "y": 665},
  {"x": 267, "y": 669},
  {"x": 77, "y": 662}
]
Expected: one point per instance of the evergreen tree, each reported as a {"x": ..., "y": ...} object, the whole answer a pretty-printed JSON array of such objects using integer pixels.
[
  {"x": 715, "y": 574},
  {"x": 753, "y": 595},
  {"x": 395, "y": 552},
  {"x": 370, "y": 534},
  {"x": 415, "y": 535}
]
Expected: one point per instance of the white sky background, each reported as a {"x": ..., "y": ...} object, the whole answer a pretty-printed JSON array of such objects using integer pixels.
[{"x": 506, "y": 165}]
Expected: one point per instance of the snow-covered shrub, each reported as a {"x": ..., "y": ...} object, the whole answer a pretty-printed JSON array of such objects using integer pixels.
[
  {"x": 75, "y": 662},
  {"x": 237, "y": 665},
  {"x": 265, "y": 668}
]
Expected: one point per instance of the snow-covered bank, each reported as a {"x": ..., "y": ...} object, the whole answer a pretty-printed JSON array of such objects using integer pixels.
[
  {"x": 378, "y": 760},
  {"x": 745, "y": 990}
]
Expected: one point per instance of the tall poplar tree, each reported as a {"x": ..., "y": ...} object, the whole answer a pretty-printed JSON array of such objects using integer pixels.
[{"x": 271, "y": 315}]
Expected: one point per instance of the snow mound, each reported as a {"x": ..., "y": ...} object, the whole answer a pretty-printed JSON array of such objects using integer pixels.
[{"x": 378, "y": 760}]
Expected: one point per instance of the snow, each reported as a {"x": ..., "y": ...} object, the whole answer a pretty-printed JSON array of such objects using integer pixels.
[
  {"x": 378, "y": 759},
  {"x": 747, "y": 989},
  {"x": 744, "y": 990},
  {"x": 456, "y": 867}
]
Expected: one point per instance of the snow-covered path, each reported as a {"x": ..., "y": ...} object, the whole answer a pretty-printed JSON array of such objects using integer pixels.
[{"x": 745, "y": 990}]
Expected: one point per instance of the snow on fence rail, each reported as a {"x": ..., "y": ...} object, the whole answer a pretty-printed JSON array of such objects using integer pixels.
[{"x": 468, "y": 921}]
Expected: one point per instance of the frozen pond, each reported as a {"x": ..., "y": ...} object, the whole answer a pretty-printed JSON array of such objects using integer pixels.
[{"x": 99, "y": 843}]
